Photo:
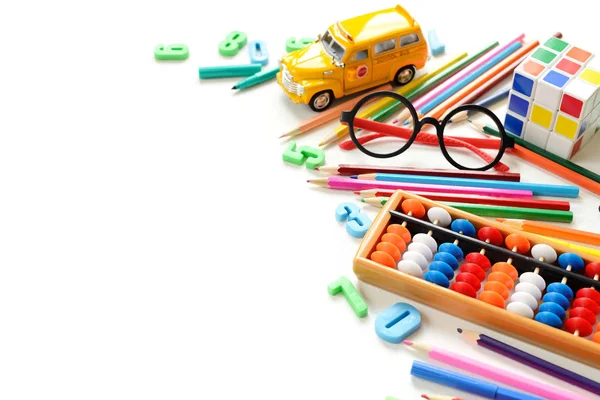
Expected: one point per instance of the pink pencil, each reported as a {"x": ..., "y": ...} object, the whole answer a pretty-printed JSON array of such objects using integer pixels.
[
  {"x": 509, "y": 378},
  {"x": 343, "y": 183}
]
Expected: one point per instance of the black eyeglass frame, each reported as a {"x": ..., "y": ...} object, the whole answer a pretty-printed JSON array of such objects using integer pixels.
[{"x": 505, "y": 140}]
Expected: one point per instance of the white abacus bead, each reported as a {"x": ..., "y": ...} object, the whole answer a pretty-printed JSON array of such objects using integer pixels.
[
  {"x": 417, "y": 258},
  {"x": 421, "y": 248},
  {"x": 534, "y": 279},
  {"x": 521, "y": 309},
  {"x": 426, "y": 240},
  {"x": 410, "y": 268},
  {"x": 529, "y": 288},
  {"x": 526, "y": 298},
  {"x": 543, "y": 250},
  {"x": 440, "y": 215}
]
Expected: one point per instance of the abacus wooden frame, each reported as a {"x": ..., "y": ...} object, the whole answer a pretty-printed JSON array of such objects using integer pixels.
[{"x": 461, "y": 306}]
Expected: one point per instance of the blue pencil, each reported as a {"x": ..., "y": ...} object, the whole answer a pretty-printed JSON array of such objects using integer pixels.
[
  {"x": 488, "y": 101},
  {"x": 538, "y": 189}
]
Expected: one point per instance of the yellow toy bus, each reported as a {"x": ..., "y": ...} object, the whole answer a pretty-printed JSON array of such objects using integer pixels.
[{"x": 353, "y": 55}]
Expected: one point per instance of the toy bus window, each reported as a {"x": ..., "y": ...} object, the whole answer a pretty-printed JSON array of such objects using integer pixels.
[
  {"x": 361, "y": 55},
  {"x": 384, "y": 46},
  {"x": 409, "y": 39}
]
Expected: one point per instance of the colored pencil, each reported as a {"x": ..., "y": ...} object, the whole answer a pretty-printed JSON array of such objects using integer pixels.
[
  {"x": 473, "y": 199},
  {"x": 434, "y": 397},
  {"x": 512, "y": 379},
  {"x": 329, "y": 115},
  {"x": 343, "y": 183},
  {"x": 349, "y": 169},
  {"x": 573, "y": 246},
  {"x": 555, "y": 231},
  {"x": 258, "y": 78},
  {"x": 488, "y": 101},
  {"x": 538, "y": 189},
  {"x": 531, "y": 360}
]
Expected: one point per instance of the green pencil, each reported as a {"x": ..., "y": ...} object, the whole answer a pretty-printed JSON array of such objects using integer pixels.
[{"x": 255, "y": 79}]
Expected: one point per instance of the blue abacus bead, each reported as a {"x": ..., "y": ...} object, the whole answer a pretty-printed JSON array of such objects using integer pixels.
[
  {"x": 442, "y": 267},
  {"x": 572, "y": 259},
  {"x": 447, "y": 258},
  {"x": 548, "y": 318},
  {"x": 557, "y": 298},
  {"x": 560, "y": 288},
  {"x": 464, "y": 226},
  {"x": 452, "y": 249},
  {"x": 437, "y": 277},
  {"x": 554, "y": 309}
]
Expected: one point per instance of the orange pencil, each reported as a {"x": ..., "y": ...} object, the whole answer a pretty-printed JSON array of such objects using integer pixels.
[{"x": 555, "y": 231}]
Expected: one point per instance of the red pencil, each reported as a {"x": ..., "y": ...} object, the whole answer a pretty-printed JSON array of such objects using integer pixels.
[
  {"x": 349, "y": 169},
  {"x": 475, "y": 199}
]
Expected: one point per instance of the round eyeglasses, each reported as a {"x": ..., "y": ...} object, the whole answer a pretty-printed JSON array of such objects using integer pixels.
[{"x": 398, "y": 119}]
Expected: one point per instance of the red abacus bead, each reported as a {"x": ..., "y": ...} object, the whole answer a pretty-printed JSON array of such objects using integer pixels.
[
  {"x": 464, "y": 288},
  {"x": 588, "y": 303},
  {"x": 579, "y": 324},
  {"x": 507, "y": 268},
  {"x": 493, "y": 235},
  {"x": 401, "y": 232},
  {"x": 498, "y": 287},
  {"x": 589, "y": 293},
  {"x": 469, "y": 278},
  {"x": 502, "y": 278},
  {"x": 519, "y": 241},
  {"x": 384, "y": 258},
  {"x": 474, "y": 269},
  {"x": 413, "y": 206},
  {"x": 492, "y": 298},
  {"x": 582, "y": 312},
  {"x": 592, "y": 269},
  {"x": 479, "y": 259}
]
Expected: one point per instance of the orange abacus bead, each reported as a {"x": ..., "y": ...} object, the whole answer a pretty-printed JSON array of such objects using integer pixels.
[
  {"x": 389, "y": 248},
  {"x": 401, "y": 231},
  {"x": 596, "y": 337},
  {"x": 383, "y": 258},
  {"x": 502, "y": 278},
  {"x": 517, "y": 243},
  {"x": 506, "y": 268},
  {"x": 414, "y": 208},
  {"x": 500, "y": 288},
  {"x": 492, "y": 298},
  {"x": 395, "y": 240}
]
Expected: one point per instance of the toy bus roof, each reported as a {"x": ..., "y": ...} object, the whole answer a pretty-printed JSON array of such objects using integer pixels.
[{"x": 376, "y": 24}]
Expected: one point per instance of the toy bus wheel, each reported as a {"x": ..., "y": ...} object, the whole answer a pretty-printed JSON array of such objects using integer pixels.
[
  {"x": 321, "y": 100},
  {"x": 404, "y": 75}
]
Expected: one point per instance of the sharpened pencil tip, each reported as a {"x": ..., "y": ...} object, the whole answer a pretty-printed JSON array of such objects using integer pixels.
[
  {"x": 233, "y": 88},
  {"x": 353, "y": 177},
  {"x": 408, "y": 342},
  {"x": 425, "y": 396},
  {"x": 459, "y": 330}
]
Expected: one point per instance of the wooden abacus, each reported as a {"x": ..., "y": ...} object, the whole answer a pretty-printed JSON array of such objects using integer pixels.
[{"x": 400, "y": 253}]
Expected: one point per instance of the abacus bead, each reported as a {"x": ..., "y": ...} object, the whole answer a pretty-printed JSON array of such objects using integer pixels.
[
  {"x": 384, "y": 258},
  {"x": 492, "y": 298},
  {"x": 535, "y": 279},
  {"x": 572, "y": 259},
  {"x": 410, "y": 268},
  {"x": 554, "y": 309},
  {"x": 519, "y": 241},
  {"x": 394, "y": 239},
  {"x": 452, "y": 249},
  {"x": 421, "y": 248},
  {"x": 596, "y": 337},
  {"x": 592, "y": 269},
  {"x": 587, "y": 303},
  {"x": 440, "y": 215},
  {"x": 590, "y": 294},
  {"x": 544, "y": 251},
  {"x": 579, "y": 324},
  {"x": 507, "y": 268},
  {"x": 497, "y": 287},
  {"x": 469, "y": 278},
  {"x": 502, "y": 278},
  {"x": 557, "y": 298},
  {"x": 426, "y": 240},
  {"x": 463, "y": 226},
  {"x": 474, "y": 269},
  {"x": 391, "y": 249},
  {"x": 562, "y": 289},
  {"x": 524, "y": 297},
  {"x": 464, "y": 288},
  {"x": 443, "y": 268},
  {"x": 521, "y": 309},
  {"x": 448, "y": 259},
  {"x": 493, "y": 235},
  {"x": 479, "y": 259},
  {"x": 399, "y": 230},
  {"x": 584, "y": 313},
  {"x": 529, "y": 288},
  {"x": 413, "y": 206},
  {"x": 437, "y": 277},
  {"x": 549, "y": 319},
  {"x": 417, "y": 258}
]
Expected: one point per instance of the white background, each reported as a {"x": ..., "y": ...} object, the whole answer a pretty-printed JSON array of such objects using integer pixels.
[{"x": 153, "y": 245}]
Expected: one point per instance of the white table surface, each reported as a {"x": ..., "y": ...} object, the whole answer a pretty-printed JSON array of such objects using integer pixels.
[{"x": 154, "y": 244}]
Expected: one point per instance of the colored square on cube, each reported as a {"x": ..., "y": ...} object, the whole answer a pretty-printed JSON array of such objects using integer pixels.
[
  {"x": 533, "y": 68},
  {"x": 579, "y": 54},
  {"x": 576, "y": 147},
  {"x": 566, "y": 126},
  {"x": 583, "y": 126},
  {"x": 541, "y": 116},
  {"x": 556, "y": 44},
  {"x": 523, "y": 84},
  {"x": 559, "y": 145},
  {"x": 556, "y": 78},
  {"x": 591, "y": 76},
  {"x": 518, "y": 105},
  {"x": 568, "y": 67},
  {"x": 572, "y": 106},
  {"x": 536, "y": 135},
  {"x": 544, "y": 56},
  {"x": 578, "y": 97},
  {"x": 549, "y": 89},
  {"x": 514, "y": 125}
]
